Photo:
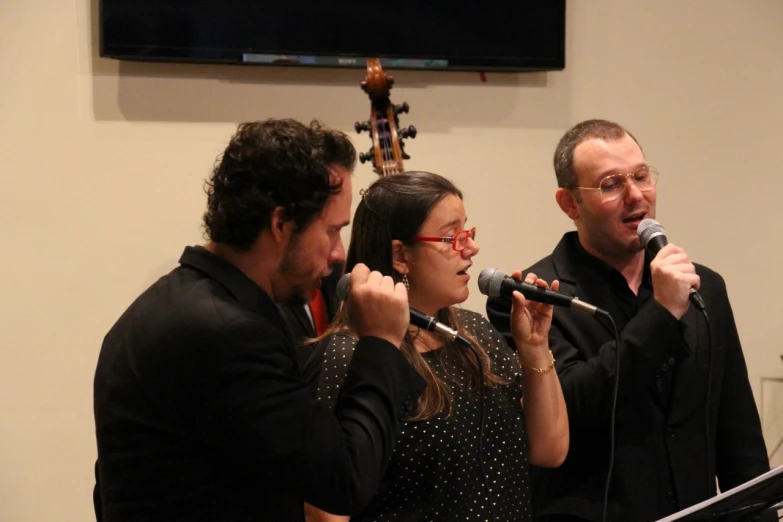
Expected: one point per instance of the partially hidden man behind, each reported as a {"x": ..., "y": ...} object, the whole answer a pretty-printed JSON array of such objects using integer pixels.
[
  {"x": 201, "y": 410},
  {"x": 606, "y": 187},
  {"x": 308, "y": 320}
]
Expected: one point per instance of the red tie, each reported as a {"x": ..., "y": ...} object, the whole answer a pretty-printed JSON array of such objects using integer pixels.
[{"x": 318, "y": 309}]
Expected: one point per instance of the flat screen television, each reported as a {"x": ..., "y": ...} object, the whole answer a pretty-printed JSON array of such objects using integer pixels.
[{"x": 494, "y": 35}]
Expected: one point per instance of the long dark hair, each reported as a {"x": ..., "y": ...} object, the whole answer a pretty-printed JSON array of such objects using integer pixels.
[{"x": 396, "y": 207}]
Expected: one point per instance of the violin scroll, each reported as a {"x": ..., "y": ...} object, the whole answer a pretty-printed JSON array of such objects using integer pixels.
[{"x": 388, "y": 150}]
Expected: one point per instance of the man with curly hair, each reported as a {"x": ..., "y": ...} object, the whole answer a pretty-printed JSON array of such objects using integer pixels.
[{"x": 201, "y": 410}]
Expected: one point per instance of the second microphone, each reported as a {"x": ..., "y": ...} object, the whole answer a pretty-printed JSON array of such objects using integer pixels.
[
  {"x": 417, "y": 317},
  {"x": 493, "y": 283}
]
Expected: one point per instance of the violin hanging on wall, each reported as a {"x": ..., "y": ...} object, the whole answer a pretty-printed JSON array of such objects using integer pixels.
[{"x": 388, "y": 150}]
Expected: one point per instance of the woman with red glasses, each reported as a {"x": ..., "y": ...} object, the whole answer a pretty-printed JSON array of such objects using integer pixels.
[{"x": 464, "y": 451}]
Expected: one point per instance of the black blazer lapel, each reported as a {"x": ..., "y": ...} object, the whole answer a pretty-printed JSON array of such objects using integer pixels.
[
  {"x": 299, "y": 327},
  {"x": 590, "y": 290},
  {"x": 303, "y": 326}
]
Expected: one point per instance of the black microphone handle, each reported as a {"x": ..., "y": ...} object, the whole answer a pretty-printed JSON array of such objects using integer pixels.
[
  {"x": 429, "y": 323},
  {"x": 654, "y": 245},
  {"x": 540, "y": 295},
  {"x": 533, "y": 292},
  {"x": 417, "y": 317}
]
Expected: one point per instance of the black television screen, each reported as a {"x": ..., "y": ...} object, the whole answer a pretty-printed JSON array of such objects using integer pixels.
[{"x": 511, "y": 35}]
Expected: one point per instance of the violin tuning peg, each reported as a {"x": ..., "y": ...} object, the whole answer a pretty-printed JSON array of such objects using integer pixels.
[
  {"x": 366, "y": 156},
  {"x": 410, "y": 132},
  {"x": 362, "y": 126},
  {"x": 403, "y": 107}
]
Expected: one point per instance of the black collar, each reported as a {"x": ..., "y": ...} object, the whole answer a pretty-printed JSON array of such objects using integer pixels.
[
  {"x": 247, "y": 292},
  {"x": 569, "y": 255}
]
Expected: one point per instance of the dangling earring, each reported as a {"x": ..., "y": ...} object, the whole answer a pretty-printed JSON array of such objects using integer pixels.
[{"x": 405, "y": 281}]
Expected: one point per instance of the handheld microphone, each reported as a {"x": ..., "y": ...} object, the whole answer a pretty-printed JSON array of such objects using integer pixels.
[
  {"x": 493, "y": 283},
  {"x": 417, "y": 317},
  {"x": 652, "y": 236}
]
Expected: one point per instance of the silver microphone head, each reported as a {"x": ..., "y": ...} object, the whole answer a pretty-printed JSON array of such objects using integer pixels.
[
  {"x": 343, "y": 287},
  {"x": 489, "y": 281},
  {"x": 648, "y": 229}
]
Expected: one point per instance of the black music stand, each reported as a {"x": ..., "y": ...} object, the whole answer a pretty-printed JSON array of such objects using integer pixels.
[{"x": 746, "y": 502}]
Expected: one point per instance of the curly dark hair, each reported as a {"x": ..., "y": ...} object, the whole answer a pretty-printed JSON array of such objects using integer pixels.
[
  {"x": 269, "y": 164},
  {"x": 589, "y": 129}
]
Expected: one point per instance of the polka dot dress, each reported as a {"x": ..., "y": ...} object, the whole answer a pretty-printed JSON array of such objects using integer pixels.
[{"x": 435, "y": 472}]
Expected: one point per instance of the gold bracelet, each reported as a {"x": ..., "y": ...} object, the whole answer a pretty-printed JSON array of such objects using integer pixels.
[{"x": 547, "y": 369}]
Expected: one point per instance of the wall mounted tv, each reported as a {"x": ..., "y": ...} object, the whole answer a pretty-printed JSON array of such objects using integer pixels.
[{"x": 494, "y": 35}]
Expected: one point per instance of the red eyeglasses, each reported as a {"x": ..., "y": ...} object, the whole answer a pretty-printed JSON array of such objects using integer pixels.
[{"x": 458, "y": 241}]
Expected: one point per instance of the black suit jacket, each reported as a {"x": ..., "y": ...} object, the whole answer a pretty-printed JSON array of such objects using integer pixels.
[
  {"x": 661, "y": 455},
  {"x": 202, "y": 413},
  {"x": 299, "y": 323}
]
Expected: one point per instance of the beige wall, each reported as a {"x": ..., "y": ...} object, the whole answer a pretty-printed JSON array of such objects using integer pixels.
[{"x": 102, "y": 166}]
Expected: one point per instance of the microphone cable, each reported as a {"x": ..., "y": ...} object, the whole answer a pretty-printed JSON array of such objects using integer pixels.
[
  {"x": 612, "y": 414},
  {"x": 614, "y": 409},
  {"x": 710, "y": 357}
]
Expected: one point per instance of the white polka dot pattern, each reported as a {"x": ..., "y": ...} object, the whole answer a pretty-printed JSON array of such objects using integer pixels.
[{"x": 434, "y": 473}]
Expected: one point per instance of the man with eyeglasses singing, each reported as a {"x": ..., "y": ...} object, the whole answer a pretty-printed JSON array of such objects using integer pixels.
[{"x": 662, "y": 446}]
